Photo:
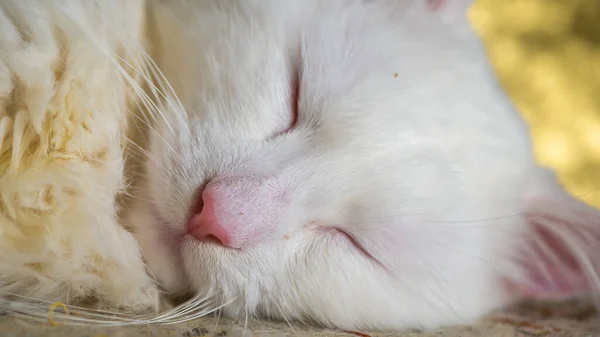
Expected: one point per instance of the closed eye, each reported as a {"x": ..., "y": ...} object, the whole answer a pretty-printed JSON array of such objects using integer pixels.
[
  {"x": 351, "y": 240},
  {"x": 292, "y": 110},
  {"x": 355, "y": 243}
]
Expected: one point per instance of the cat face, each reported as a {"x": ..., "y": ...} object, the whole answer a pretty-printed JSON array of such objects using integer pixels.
[{"x": 342, "y": 162}]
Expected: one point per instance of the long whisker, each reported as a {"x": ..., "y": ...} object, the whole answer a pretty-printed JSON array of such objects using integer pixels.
[
  {"x": 31, "y": 308},
  {"x": 219, "y": 313},
  {"x": 143, "y": 151},
  {"x": 154, "y": 70},
  {"x": 284, "y": 317},
  {"x": 491, "y": 220},
  {"x": 245, "y": 321}
]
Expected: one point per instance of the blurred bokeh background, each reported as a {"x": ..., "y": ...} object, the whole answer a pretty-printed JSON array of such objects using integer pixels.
[{"x": 547, "y": 56}]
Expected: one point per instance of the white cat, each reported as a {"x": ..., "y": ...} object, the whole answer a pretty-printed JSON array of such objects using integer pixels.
[
  {"x": 351, "y": 163},
  {"x": 345, "y": 162}
]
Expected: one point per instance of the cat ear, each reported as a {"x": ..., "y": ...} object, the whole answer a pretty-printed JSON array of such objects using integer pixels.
[
  {"x": 451, "y": 11},
  {"x": 424, "y": 13},
  {"x": 559, "y": 254}
]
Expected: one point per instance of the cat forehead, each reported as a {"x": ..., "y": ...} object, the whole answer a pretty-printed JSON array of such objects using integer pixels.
[
  {"x": 249, "y": 76},
  {"x": 260, "y": 53},
  {"x": 348, "y": 61}
]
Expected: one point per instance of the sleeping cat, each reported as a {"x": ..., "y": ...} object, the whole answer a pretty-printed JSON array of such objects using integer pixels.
[{"x": 350, "y": 163}]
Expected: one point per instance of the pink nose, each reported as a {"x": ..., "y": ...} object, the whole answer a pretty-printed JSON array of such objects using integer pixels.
[
  {"x": 236, "y": 212},
  {"x": 204, "y": 226}
]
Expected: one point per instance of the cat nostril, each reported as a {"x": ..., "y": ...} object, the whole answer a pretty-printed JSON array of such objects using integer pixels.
[
  {"x": 203, "y": 225},
  {"x": 196, "y": 207},
  {"x": 212, "y": 238}
]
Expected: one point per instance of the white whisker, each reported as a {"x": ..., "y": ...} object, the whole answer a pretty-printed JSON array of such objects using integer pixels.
[
  {"x": 284, "y": 317},
  {"x": 38, "y": 310}
]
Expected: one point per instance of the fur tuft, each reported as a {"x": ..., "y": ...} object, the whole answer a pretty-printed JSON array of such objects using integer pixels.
[{"x": 63, "y": 116}]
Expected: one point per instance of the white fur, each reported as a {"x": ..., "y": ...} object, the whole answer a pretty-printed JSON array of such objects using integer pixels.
[
  {"x": 431, "y": 170},
  {"x": 398, "y": 162}
]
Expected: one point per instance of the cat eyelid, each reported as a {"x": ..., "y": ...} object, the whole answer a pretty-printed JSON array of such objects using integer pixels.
[{"x": 293, "y": 108}]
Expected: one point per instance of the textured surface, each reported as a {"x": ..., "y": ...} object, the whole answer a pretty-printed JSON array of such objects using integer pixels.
[{"x": 562, "y": 319}]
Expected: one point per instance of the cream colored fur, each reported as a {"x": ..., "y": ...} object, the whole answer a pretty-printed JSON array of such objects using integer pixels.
[{"x": 64, "y": 104}]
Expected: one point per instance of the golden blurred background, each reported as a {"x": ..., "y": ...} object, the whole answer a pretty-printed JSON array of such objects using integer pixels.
[{"x": 547, "y": 56}]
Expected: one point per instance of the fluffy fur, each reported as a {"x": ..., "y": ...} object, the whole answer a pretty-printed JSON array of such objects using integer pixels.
[
  {"x": 63, "y": 111},
  {"x": 407, "y": 193},
  {"x": 404, "y": 141}
]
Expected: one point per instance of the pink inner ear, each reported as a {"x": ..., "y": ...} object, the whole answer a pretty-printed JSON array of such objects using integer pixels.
[
  {"x": 551, "y": 267},
  {"x": 435, "y": 4},
  {"x": 561, "y": 254},
  {"x": 453, "y": 13}
]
